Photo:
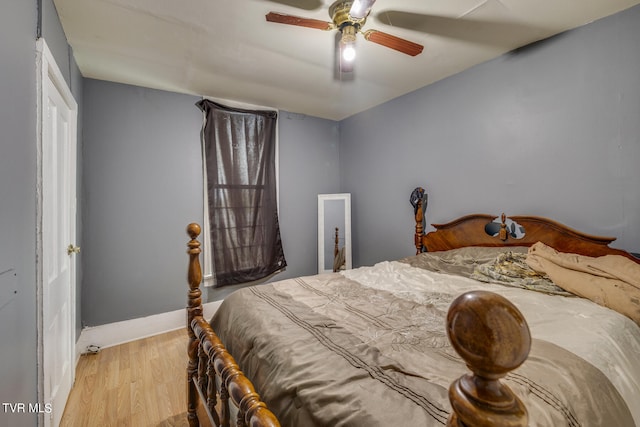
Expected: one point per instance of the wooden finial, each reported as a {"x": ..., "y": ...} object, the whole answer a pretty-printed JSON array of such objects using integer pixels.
[
  {"x": 193, "y": 230},
  {"x": 493, "y": 338},
  {"x": 503, "y": 228},
  {"x": 194, "y": 274}
]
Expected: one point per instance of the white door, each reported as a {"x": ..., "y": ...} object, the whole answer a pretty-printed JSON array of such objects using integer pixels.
[{"x": 57, "y": 217}]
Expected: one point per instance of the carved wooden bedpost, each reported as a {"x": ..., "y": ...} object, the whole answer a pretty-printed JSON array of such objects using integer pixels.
[
  {"x": 493, "y": 338},
  {"x": 208, "y": 360},
  {"x": 419, "y": 227},
  {"x": 194, "y": 308}
]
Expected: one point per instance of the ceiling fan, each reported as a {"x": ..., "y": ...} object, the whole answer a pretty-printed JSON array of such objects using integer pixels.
[{"x": 348, "y": 17}]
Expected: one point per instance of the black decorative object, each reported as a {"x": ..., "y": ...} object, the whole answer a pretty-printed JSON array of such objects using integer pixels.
[{"x": 416, "y": 195}]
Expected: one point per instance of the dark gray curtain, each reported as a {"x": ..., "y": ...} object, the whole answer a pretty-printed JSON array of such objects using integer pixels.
[{"x": 239, "y": 150}]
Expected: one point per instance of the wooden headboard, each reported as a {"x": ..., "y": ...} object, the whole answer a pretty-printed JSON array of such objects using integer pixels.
[{"x": 470, "y": 231}]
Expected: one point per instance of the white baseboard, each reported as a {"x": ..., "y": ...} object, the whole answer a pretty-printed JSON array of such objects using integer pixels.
[{"x": 111, "y": 334}]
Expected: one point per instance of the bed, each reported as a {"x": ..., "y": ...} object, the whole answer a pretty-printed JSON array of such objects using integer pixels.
[{"x": 422, "y": 340}]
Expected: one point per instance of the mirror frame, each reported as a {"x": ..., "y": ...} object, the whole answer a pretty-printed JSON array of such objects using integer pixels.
[{"x": 322, "y": 198}]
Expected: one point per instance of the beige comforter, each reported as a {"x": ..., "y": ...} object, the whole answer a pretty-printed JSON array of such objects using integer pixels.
[
  {"x": 611, "y": 280},
  {"x": 327, "y": 350}
]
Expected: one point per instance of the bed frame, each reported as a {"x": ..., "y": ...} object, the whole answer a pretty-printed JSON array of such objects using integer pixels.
[
  {"x": 217, "y": 388},
  {"x": 470, "y": 231},
  {"x": 214, "y": 380},
  {"x": 215, "y": 383}
]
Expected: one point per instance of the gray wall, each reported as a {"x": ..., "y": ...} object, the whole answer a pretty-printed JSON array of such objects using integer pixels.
[
  {"x": 143, "y": 185},
  {"x": 552, "y": 129},
  {"x": 309, "y": 165},
  {"x": 18, "y": 375},
  {"x": 18, "y": 28}
]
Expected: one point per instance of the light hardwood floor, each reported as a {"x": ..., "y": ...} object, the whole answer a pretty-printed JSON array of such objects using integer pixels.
[{"x": 141, "y": 383}]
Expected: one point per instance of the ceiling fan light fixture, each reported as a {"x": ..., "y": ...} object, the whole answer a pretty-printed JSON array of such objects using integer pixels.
[
  {"x": 348, "y": 42},
  {"x": 348, "y": 34},
  {"x": 348, "y": 52}
]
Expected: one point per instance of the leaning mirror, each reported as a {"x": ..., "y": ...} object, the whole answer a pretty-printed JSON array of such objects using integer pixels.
[{"x": 334, "y": 232}]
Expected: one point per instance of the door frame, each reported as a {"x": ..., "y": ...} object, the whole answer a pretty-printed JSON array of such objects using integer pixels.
[{"x": 47, "y": 69}]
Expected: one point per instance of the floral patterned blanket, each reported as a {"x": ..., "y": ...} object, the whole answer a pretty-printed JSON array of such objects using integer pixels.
[{"x": 511, "y": 269}]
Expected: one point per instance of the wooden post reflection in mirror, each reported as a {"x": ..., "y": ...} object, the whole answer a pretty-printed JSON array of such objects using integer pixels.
[
  {"x": 334, "y": 223},
  {"x": 339, "y": 261}
]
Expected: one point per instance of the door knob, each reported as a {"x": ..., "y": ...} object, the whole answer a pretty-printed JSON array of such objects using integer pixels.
[{"x": 71, "y": 249}]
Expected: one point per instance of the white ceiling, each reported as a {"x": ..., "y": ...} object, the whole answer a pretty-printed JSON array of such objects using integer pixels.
[{"x": 226, "y": 49}]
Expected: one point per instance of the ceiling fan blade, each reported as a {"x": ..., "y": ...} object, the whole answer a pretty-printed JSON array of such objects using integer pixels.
[
  {"x": 393, "y": 42},
  {"x": 282, "y": 18},
  {"x": 301, "y": 4},
  {"x": 360, "y": 8},
  {"x": 477, "y": 30}
]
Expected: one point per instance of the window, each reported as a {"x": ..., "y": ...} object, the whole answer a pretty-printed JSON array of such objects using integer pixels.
[{"x": 239, "y": 156}]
